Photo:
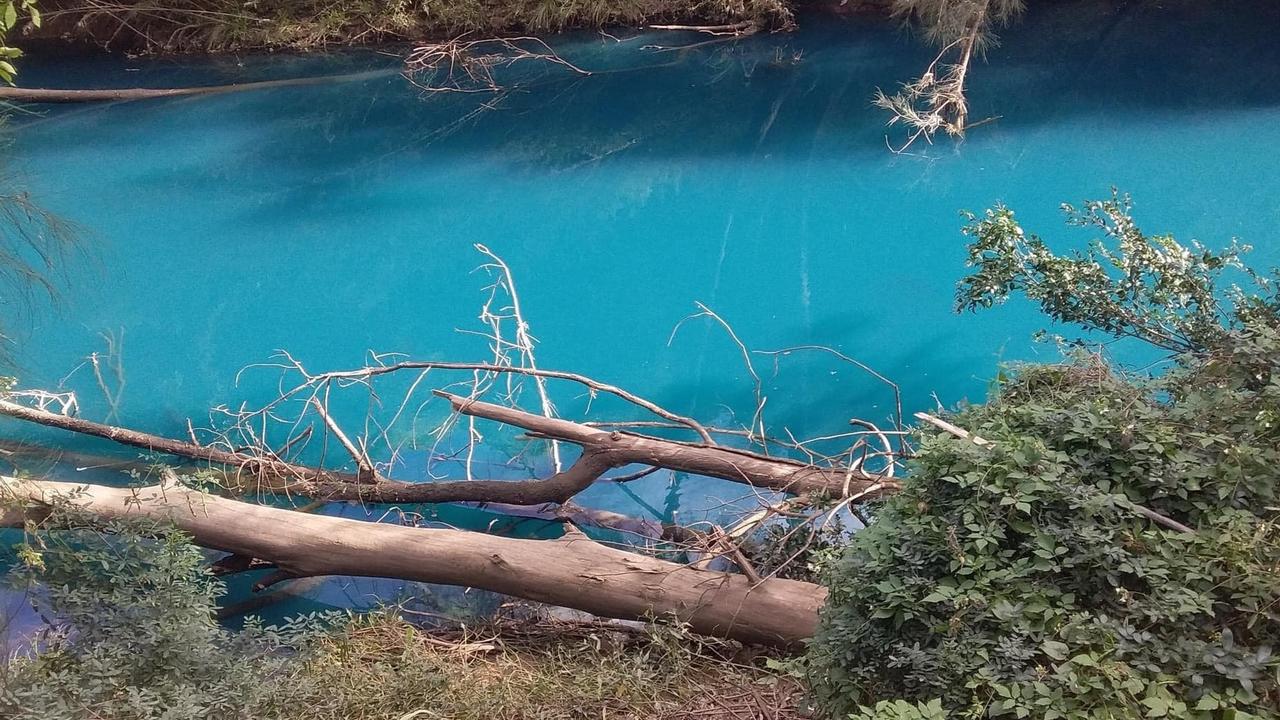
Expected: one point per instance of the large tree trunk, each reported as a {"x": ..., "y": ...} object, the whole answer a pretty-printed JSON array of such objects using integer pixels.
[{"x": 573, "y": 571}]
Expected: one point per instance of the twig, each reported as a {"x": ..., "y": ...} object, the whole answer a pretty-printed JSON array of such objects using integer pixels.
[{"x": 367, "y": 473}]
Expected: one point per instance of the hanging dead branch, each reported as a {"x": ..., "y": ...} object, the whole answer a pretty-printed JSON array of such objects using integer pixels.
[
  {"x": 468, "y": 66},
  {"x": 936, "y": 100}
]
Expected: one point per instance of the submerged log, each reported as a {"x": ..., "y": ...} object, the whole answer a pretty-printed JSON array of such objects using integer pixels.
[
  {"x": 573, "y": 571},
  {"x": 46, "y": 95}
]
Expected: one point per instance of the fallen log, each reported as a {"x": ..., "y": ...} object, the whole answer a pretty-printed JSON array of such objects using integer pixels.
[
  {"x": 573, "y": 571},
  {"x": 270, "y": 474},
  {"x": 49, "y": 95},
  {"x": 602, "y": 450},
  {"x": 253, "y": 473}
]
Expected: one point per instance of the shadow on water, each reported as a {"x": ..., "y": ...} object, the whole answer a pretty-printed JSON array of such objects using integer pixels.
[{"x": 766, "y": 94}]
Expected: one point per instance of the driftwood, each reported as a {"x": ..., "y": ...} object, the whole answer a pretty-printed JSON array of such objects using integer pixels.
[
  {"x": 573, "y": 571},
  {"x": 46, "y": 95}
]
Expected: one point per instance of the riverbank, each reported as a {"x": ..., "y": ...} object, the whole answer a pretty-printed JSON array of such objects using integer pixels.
[{"x": 185, "y": 26}]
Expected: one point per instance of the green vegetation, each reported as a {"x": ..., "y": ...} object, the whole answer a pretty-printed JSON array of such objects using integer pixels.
[
  {"x": 136, "y": 639},
  {"x": 10, "y": 10},
  {"x": 1019, "y": 576}
]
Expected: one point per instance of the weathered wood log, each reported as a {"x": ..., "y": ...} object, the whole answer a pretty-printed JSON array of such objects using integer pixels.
[
  {"x": 573, "y": 571},
  {"x": 48, "y": 95}
]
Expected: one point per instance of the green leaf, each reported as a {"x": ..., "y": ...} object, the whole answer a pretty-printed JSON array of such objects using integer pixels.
[
  {"x": 1084, "y": 660},
  {"x": 1054, "y": 649}
]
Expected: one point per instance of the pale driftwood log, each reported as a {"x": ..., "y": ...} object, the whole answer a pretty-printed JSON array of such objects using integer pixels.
[
  {"x": 573, "y": 571},
  {"x": 49, "y": 95}
]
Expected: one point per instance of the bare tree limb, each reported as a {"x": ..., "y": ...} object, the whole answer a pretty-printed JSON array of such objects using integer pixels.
[
  {"x": 622, "y": 448},
  {"x": 40, "y": 95}
]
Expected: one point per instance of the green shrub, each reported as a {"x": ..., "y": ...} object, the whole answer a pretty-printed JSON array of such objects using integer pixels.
[
  {"x": 1019, "y": 578},
  {"x": 134, "y": 634}
]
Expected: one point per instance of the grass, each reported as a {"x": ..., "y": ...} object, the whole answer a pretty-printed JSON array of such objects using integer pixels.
[{"x": 381, "y": 667}]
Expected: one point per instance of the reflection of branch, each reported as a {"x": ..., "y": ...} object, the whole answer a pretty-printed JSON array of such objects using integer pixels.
[
  {"x": 897, "y": 393},
  {"x": 113, "y": 358},
  {"x": 757, "y": 418}
]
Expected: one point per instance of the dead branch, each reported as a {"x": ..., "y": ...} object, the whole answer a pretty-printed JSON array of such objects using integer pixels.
[
  {"x": 623, "y": 448},
  {"x": 467, "y": 66},
  {"x": 367, "y": 473},
  {"x": 367, "y": 373},
  {"x": 523, "y": 343},
  {"x": 265, "y": 474},
  {"x": 746, "y": 27},
  {"x": 936, "y": 100}
]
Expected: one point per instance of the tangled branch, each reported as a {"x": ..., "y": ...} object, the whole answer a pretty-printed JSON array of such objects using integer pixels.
[{"x": 468, "y": 66}]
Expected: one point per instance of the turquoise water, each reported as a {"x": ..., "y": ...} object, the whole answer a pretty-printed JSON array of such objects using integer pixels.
[{"x": 751, "y": 176}]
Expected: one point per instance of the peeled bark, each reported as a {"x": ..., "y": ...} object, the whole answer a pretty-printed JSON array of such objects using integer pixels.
[{"x": 573, "y": 571}]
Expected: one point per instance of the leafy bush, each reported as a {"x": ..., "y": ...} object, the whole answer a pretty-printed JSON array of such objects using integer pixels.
[
  {"x": 135, "y": 635},
  {"x": 1023, "y": 575}
]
